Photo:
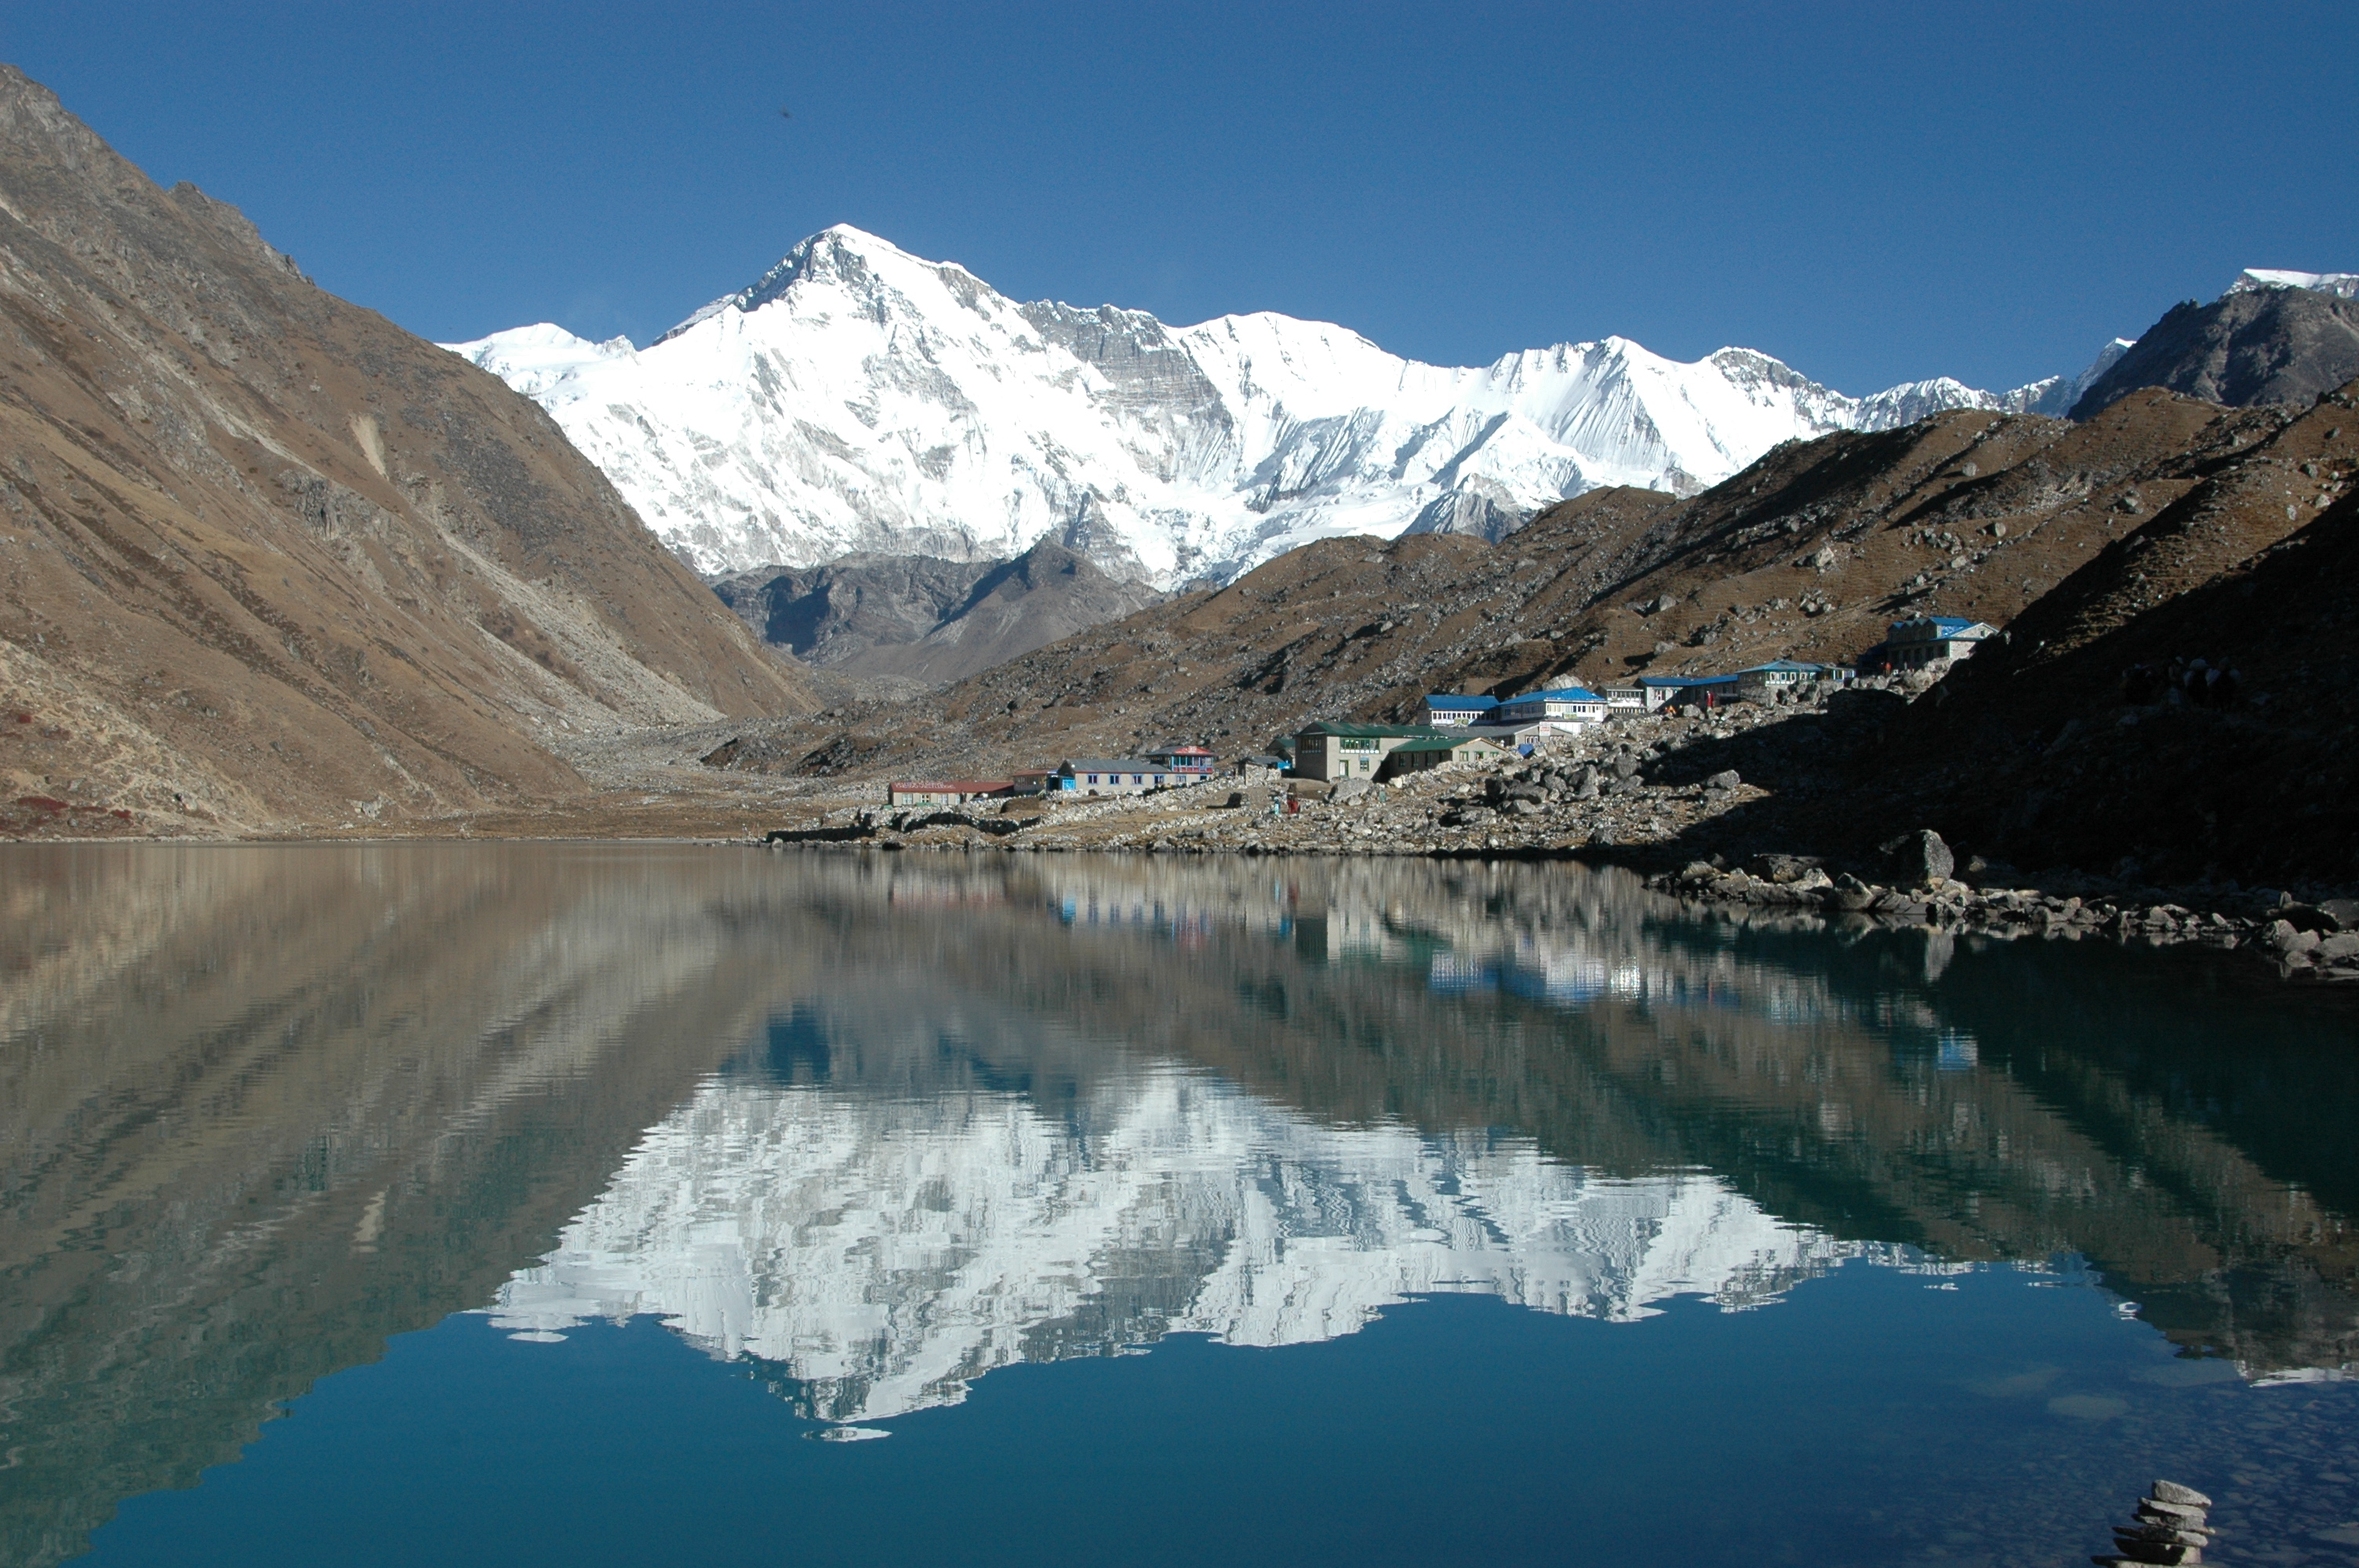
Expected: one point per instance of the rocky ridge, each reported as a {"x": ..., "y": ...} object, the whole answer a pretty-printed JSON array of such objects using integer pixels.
[
  {"x": 2273, "y": 337},
  {"x": 925, "y": 619}
]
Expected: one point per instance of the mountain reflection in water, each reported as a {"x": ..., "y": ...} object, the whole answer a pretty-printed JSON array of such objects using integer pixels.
[{"x": 883, "y": 1124}]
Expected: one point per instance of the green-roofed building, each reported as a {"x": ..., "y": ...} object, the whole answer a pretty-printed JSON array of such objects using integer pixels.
[{"x": 1334, "y": 751}]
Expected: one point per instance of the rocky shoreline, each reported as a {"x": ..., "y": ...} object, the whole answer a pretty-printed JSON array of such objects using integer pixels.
[{"x": 1637, "y": 793}]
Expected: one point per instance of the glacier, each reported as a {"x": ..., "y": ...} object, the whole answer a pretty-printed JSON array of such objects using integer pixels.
[{"x": 857, "y": 397}]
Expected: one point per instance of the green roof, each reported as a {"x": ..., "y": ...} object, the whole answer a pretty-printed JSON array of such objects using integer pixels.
[
  {"x": 1374, "y": 731},
  {"x": 1444, "y": 743}
]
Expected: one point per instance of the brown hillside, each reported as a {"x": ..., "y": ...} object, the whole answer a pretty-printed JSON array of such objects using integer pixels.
[
  {"x": 2079, "y": 765},
  {"x": 1808, "y": 554},
  {"x": 267, "y": 559}
]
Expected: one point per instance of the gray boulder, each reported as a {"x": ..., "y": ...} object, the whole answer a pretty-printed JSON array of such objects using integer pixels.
[
  {"x": 1351, "y": 789},
  {"x": 1917, "y": 859},
  {"x": 1726, "y": 778},
  {"x": 2343, "y": 948}
]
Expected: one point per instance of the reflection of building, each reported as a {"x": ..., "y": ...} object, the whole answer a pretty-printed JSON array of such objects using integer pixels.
[{"x": 884, "y": 1251}]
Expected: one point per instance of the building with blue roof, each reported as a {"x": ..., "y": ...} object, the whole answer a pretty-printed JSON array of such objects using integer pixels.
[
  {"x": 1450, "y": 708},
  {"x": 1562, "y": 706},
  {"x": 1928, "y": 641},
  {"x": 1765, "y": 683}
]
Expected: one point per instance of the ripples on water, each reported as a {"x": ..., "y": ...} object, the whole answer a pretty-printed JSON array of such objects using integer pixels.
[{"x": 871, "y": 1131}]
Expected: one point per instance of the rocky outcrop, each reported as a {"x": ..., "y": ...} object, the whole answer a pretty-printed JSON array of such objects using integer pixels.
[
  {"x": 268, "y": 560},
  {"x": 2249, "y": 346},
  {"x": 926, "y": 619}
]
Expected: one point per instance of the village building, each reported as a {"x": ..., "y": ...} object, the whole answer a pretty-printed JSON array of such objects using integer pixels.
[
  {"x": 1526, "y": 738},
  {"x": 1701, "y": 691},
  {"x": 1435, "y": 752},
  {"x": 1114, "y": 775},
  {"x": 1763, "y": 683},
  {"x": 1567, "y": 708},
  {"x": 1447, "y": 709},
  {"x": 1338, "y": 752},
  {"x": 946, "y": 792},
  {"x": 1659, "y": 691},
  {"x": 1382, "y": 751},
  {"x": 1188, "y": 761},
  {"x": 1626, "y": 696},
  {"x": 1928, "y": 642}
]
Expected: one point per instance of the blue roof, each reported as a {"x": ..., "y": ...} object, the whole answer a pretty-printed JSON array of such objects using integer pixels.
[
  {"x": 1561, "y": 694},
  {"x": 1939, "y": 623},
  {"x": 1786, "y": 665},
  {"x": 1451, "y": 699},
  {"x": 1684, "y": 680}
]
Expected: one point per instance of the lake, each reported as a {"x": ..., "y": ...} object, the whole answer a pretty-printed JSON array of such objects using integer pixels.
[{"x": 593, "y": 1205}]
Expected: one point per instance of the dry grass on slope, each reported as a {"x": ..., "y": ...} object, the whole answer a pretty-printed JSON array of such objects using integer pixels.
[{"x": 268, "y": 560}]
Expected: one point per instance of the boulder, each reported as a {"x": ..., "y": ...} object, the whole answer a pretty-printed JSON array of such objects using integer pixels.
[
  {"x": 2343, "y": 948},
  {"x": 1726, "y": 778},
  {"x": 1917, "y": 859},
  {"x": 1849, "y": 894},
  {"x": 2343, "y": 912},
  {"x": 2282, "y": 936},
  {"x": 1351, "y": 789}
]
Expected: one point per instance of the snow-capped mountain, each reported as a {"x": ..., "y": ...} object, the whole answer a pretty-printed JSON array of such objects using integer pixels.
[
  {"x": 861, "y": 398},
  {"x": 884, "y": 1251},
  {"x": 2255, "y": 279}
]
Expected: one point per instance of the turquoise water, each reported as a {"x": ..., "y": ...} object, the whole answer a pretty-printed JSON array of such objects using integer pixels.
[{"x": 586, "y": 1206}]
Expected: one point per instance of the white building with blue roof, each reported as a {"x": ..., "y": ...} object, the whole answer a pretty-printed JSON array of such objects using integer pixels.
[
  {"x": 1561, "y": 707},
  {"x": 1928, "y": 640},
  {"x": 1450, "y": 709}
]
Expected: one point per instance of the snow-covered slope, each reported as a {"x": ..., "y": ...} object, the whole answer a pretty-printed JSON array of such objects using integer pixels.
[
  {"x": 861, "y": 398},
  {"x": 2252, "y": 279},
  {"x": 884, "y": 1251}
]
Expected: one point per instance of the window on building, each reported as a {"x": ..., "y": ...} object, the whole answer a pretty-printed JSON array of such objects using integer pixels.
[{"x": 1094, "y": 778}]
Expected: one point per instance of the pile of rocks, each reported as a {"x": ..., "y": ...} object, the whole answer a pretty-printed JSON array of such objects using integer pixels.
[
  {"x": 2320, "y": 939},
  {"x": 2309, "y": 942},
  {"x": 2171, "y": 1527}
]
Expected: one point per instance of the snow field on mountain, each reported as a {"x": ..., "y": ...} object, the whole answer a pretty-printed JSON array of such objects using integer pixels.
[{"x": 861, "y": 398}]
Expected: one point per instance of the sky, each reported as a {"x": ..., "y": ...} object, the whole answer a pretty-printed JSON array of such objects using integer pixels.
[{"x": 1874, "y": 193}]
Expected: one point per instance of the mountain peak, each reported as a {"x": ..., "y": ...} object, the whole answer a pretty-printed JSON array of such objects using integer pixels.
[
  {"x": 2255, "y": 279},
  {"x": 839, "y": 251},
  {"x": 900, "y": 406}
]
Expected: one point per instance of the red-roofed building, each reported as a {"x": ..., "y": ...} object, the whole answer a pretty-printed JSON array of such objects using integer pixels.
[{"x": 946, "y": 792}]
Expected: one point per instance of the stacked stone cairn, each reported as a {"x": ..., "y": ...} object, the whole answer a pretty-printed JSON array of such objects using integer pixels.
[{"x": 2170, "y": 1528}]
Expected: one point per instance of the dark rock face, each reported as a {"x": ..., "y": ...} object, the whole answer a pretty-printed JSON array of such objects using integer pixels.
[
  {"x": 2272, "y": 345},
  {"x": 1918, "y": 859},
  {"x": 925, "y": 618}
]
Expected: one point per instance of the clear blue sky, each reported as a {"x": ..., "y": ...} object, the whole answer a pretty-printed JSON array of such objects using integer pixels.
[{"x": 1874, "y": 193}]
